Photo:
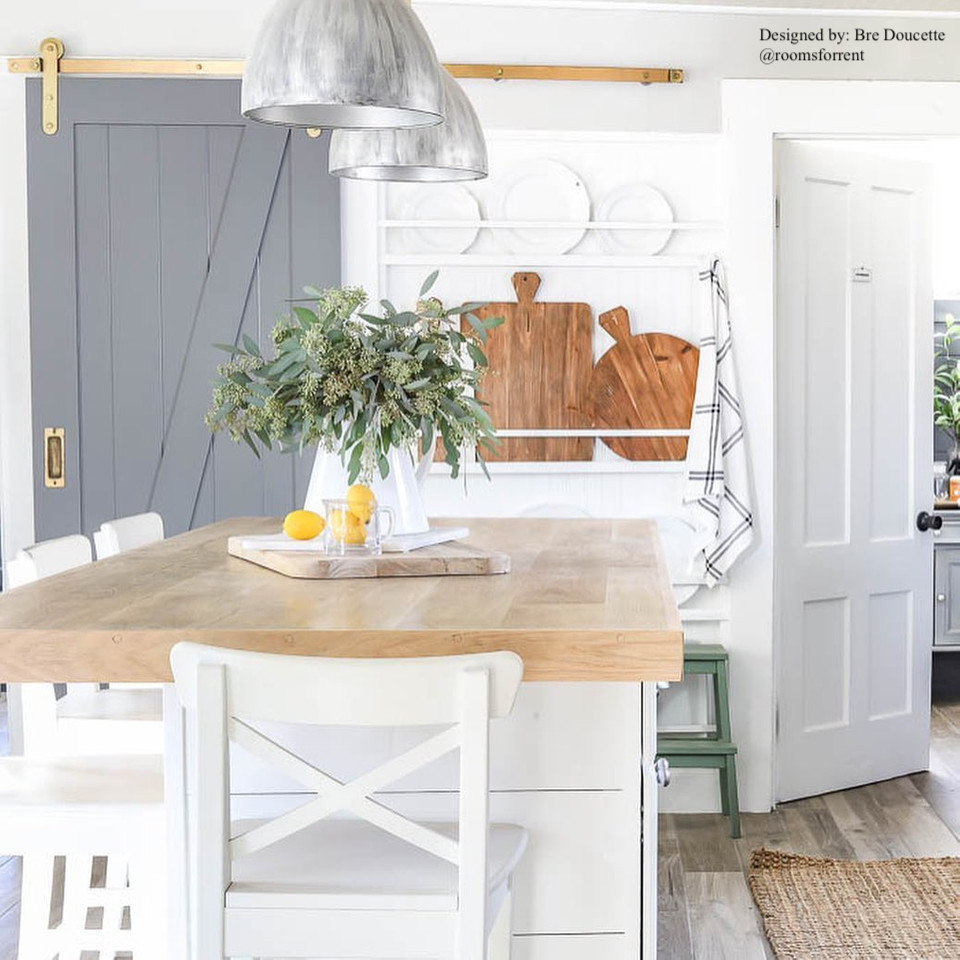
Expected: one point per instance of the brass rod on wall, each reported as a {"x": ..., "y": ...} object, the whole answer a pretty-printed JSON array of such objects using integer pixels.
[
  {"x": 92, "y": 66},
  {"x": 51, "y": 63}
]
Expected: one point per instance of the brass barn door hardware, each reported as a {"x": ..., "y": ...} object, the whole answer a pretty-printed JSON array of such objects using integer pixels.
[{"x": 51, "y": 64}]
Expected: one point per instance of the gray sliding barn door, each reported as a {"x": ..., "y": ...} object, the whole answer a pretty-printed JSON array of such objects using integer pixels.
[{"x": 162, "y": 222}]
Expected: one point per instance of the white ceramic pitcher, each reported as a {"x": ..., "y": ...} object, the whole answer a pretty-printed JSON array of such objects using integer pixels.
[{"x": 400, "y": 491}]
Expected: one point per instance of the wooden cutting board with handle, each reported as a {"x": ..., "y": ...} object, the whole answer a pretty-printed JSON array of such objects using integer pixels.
[
  {"x": 540, "y": 365},
  {"x": 643, "y": 382}
]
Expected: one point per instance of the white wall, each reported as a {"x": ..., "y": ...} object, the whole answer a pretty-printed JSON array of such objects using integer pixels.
[{"x": 710, "y": 47}]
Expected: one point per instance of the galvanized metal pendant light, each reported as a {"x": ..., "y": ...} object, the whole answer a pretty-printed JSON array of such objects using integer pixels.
[
  {"x": 343, "y": 63},
  {"x": 452, "y": 150}
]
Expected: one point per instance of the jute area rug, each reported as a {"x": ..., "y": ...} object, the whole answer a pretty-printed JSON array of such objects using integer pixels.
[{"x": 812, "y": 909}]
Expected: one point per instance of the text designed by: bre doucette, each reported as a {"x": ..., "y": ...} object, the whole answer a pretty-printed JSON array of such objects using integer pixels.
[
  {"x": 835, "y": 45},
  {"x": 857, "y": 35}
]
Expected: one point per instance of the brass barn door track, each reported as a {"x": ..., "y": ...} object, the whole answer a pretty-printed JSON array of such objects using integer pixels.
[{"x": 51, "y": 63}]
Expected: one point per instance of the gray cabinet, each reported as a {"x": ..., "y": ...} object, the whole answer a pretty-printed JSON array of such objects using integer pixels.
[{"x": 946, "y": 595}]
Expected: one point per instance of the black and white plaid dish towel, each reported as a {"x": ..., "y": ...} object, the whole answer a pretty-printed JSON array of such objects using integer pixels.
[{"x": 716, "y": 490}]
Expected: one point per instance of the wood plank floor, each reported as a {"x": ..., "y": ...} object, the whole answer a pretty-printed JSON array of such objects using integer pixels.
[{"x": 706, "y": 911}]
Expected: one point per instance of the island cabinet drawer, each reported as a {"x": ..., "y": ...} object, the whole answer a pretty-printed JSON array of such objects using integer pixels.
[
  {"x": 560, "y": 736},
  {"x": 580, "y": 872}
]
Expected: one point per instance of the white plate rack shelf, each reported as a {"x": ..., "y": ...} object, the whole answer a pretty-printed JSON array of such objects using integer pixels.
[{"x": 659, "y": 290}]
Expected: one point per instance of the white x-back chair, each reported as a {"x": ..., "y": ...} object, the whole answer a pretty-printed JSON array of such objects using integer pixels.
[
  {"x": 127, "y": 533},
  {"x": 88, "y": 719},
  {"x": 376, "y": 884}
]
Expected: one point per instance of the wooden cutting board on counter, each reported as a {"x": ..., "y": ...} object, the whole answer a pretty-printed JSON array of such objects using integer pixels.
[
  {"x": 540, "y": 365},
  {"x": 643, "y": 382},
  {"x": 442, "y": 560}
]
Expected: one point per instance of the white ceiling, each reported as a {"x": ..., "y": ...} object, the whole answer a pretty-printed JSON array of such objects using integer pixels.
[
  {"x": 779, "y": 6},
  {"x": 888, "y": 8}
]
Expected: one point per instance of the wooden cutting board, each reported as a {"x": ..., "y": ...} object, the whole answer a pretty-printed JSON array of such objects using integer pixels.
[
  {"x": 443, "y": 560},
  {"x": 643, "y": 382},
  {"x": 540, "y": 364}
]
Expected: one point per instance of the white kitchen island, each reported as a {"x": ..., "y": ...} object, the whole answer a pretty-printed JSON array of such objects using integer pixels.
[{"x": 588, "y": 607}]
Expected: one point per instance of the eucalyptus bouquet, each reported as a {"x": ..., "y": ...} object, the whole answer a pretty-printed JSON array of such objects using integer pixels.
[
  {"x": 946, "y": 390},
  {"x": 360, "y": 383}
]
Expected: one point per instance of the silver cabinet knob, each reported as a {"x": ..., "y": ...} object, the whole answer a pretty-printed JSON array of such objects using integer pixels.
[
  {"x": 662, "y": 770},
  {"x": 941, "y": 598}
]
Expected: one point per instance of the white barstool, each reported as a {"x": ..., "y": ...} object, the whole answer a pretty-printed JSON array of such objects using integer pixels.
[
  {"x": 88, "y": 719},
  {"x": 127, "y": 533},
  {"x": 377, "y": 885},
  {"x": 80, "y": 808},
  {"x": 56, "y": 803}
]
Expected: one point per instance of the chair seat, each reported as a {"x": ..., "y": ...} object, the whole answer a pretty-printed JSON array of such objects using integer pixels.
[
  {"x": 138, "y": 704},
  {"x": 349, "y": 864},
  {"x": 114, "y": 785},
  {"x": 68, "y": 805}
]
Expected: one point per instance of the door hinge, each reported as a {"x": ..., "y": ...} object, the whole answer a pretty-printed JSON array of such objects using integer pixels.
[
  {"x": 51, "y": 50},
  {"x": 776, "y": 212}
]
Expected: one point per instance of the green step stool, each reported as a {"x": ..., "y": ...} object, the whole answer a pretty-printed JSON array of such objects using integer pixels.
[{"x": 711, "y": 751}]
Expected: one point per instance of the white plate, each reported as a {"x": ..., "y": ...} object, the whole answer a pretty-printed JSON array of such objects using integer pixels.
[
  {"x": 439, "y": 201},
  {"x": 541, "y": 190},
  {"x": 635, "y": 203}
]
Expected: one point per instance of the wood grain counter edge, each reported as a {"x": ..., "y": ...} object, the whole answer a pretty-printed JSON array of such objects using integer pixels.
[{"x": 142, "y": 656}]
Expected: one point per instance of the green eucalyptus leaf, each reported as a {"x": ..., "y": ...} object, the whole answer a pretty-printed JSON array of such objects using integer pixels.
[
  {"x": 260, "y": 389},
  {"x": 251, "y": 345},
  {"x": 428, "y": 283},
  {"x": 306, "y": 317},
  {"x": 249, "y": 442},
  {"x": 477, "y": 355},
  {"x": 355, "y": 457}
]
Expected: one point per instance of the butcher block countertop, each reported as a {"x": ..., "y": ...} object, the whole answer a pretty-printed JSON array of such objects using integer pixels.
[{"x": 585, "y": 600}]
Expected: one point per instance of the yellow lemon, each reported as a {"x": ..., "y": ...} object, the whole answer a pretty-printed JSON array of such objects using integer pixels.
[
  {"x": 346, "y": 527},
  {"x": 303, "y": 525},
  {"x": 361, "y": 501}
]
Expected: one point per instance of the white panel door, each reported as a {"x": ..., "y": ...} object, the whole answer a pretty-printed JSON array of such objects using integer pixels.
[{"x": 854, "y": 455}]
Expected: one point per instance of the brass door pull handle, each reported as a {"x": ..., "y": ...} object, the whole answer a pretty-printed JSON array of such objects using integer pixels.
[{"x": 53, "y": 457}]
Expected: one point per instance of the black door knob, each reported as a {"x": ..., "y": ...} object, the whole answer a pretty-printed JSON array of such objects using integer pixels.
[{"x": 926, "y": 521}]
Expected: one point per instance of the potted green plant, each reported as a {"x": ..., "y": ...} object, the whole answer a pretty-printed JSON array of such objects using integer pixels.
[
  {"x": 370, "y": 388},
  {"x": 946, "y": 393}
]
